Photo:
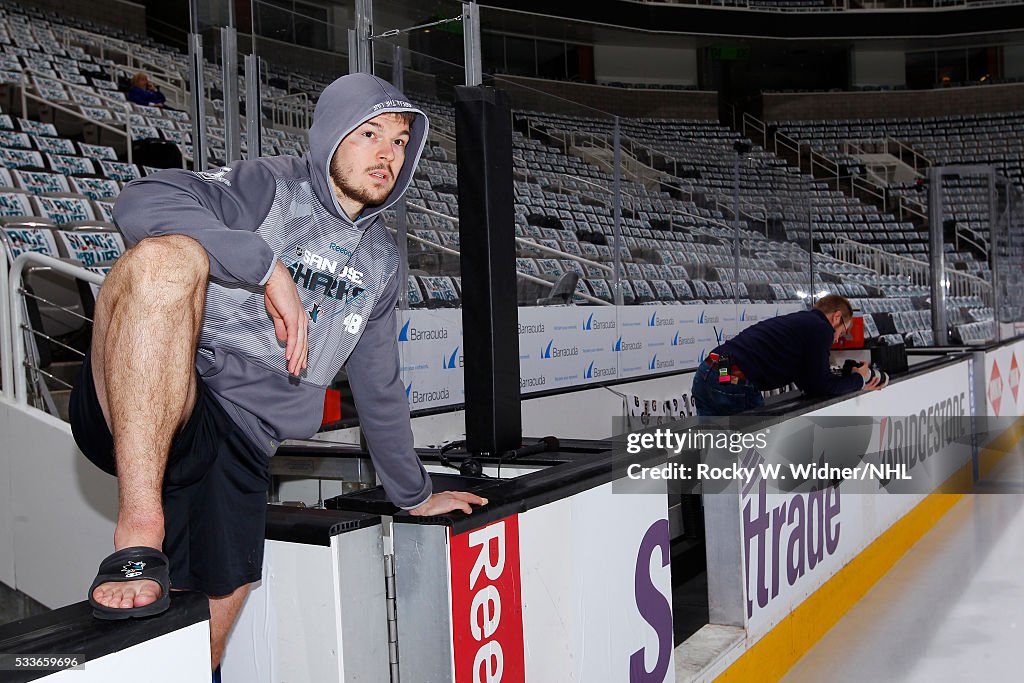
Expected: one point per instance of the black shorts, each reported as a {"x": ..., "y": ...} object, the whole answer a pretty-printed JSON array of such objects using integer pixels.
[{"x": 215, "y": 490}]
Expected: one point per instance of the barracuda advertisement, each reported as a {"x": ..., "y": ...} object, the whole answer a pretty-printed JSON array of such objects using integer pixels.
[
  {"x": 565, "y": 347},
  {"x": 631, "y": 343},
  {"x": 569, "y": 346},
  {"x": 430, "y": 352}
]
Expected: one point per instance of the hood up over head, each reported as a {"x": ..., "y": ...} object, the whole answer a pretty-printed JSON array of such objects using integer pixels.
[{"x": 343, "y": 106}]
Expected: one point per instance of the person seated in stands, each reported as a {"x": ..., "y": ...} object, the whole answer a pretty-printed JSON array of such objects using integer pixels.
[
  {"x": 144, "y": 92},
  {"x": 775, "y": 352}
]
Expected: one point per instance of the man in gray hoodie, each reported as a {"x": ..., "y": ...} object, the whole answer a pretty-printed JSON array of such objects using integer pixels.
[{"x": 248, "y": 287}]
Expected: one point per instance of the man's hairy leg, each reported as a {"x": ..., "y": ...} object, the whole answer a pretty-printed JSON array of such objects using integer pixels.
[
  {"x": 223, "y": 612},
  {"x": 147, "y": 324}
]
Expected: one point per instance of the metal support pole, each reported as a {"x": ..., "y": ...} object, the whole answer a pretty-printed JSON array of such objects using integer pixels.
[
  {"x": 1013, "y": 274},
  {"x": 229, "y": 90},
  {"x": 490, "y": 315},
  {"x": 995, "y": 262},
  {"x": 471, "y": 42},
  {"x": 936, "y": 257},
  {"x": 363, "y": 31},
  {"x": 6, "y": 340},
  {"x": 253, "y": 106},
  {"x": 736, "y": 224},
  {"x": 195, "y": 54},
  {"x": 353, "y": 50},
  {"x": 617, "y": 224},
  {"x": 198, "y": 103},
  {"x": 810, "y": 246},
  {"x": 397, "y": 68},
  {"x": 401, "y": 210}
]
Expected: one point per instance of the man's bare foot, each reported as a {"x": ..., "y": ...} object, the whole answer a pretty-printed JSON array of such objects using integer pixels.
[{"x": 127, "y": 594}]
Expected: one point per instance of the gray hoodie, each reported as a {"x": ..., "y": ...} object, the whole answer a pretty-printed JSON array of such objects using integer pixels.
[{"x": 248, "y": 215}]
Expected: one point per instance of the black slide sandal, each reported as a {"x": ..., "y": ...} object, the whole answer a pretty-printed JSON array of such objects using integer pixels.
[{"x": 133, "y": 564}]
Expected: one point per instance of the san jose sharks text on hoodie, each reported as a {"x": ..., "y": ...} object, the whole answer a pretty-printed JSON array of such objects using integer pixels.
[{"x": 250, "y": 214}]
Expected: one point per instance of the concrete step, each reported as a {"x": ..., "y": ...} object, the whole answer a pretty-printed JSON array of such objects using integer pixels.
[
  {"x": 61, "y": 398},
  {"x": 66, "y": 371}
]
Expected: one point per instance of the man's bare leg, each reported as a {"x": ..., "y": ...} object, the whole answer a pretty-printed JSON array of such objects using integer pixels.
[
  {"x": 223, "y": 611},
  {"x": 148, "y": 317}
]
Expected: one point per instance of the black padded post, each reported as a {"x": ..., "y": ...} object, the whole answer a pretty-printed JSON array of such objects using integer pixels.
[{"x": 490, "y": 313}]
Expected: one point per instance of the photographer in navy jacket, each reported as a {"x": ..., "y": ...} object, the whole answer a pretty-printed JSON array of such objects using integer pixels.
[{"x": 788, "y": 349}]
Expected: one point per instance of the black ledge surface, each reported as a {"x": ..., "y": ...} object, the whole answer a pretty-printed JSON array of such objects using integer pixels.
[
  {"x": 579, "y": 470},
  {"x": 505, "y": 496},
  {"x": 963, "y": 348},
  {"x": 313, "y": 526},
  {"x": 72, "y": 630},
  {"x": 793, "y": 407}
]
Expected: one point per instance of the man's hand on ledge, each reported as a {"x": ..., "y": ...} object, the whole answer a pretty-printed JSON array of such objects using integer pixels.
[
  {"x": 865, "y": 371},
  {"x": 440, "y": 503}
]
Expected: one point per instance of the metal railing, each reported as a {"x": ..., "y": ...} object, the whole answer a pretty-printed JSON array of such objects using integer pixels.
[
  {"x": 15, "y": 381},
  {"x": 899, "y": 204},
  {"x": 753, "y": 123},
  {"x": 637, "y": 157},
  {"x": 532, "y": 245},
  {"x": 134, "y": 59},
  {"x": 632, "y": 153},
  {"x": 630, "y": 165},
  {"x": 906, "y": 205},
  {"x": 123, "y": 105},
  {"x": 919, "y": 272},
  {"x": 907, "y": 154},
  {"x": 6, "y": 342},
  {"x": 94, "y": 40},
  {"x": 970, "y": 237},
  {"x": 173, "y": 87},
  {"x": 788, "y": 144},
  {"x": 292, "y": 111}
]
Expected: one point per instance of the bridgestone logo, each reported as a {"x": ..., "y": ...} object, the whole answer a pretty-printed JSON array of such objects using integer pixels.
[{"x": 912, "y": 439}]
